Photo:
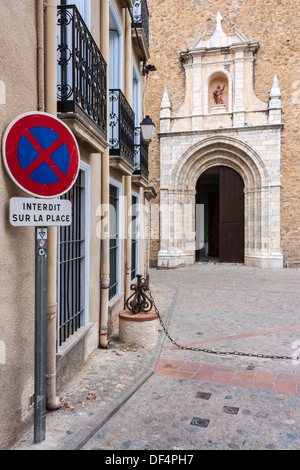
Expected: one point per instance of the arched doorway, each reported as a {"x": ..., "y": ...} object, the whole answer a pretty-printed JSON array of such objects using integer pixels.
[
  {"x": 261, "y": 202},
  {"x": 220, "y": 215}
]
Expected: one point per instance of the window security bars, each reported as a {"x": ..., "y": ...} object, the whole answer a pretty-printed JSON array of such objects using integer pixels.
[
  {"x": 114, "y": 241},
  {"x": 141, "y": 149},
  {"x": 141, "y": 16},
  {"x": 82, "y": 70},
  {"x": 71, "y": 265},
  {"x": 121, "y": 122}
]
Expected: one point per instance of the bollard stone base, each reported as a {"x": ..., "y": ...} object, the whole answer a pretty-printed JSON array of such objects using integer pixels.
[{"x": 139, "y": 330}]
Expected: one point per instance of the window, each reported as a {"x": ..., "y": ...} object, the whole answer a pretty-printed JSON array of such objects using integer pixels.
[
  {"x": 114, "y": 249},
  {"x": 73, "y": 262},
  {"x": 84, "y": 8},
  {"x": 115, "y": 50},
  {"x": 66, "y": 42},
  {"x": 136, "y": 95}
]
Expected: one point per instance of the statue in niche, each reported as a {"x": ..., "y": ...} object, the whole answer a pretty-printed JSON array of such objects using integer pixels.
[{"x": 217, "y": 94}]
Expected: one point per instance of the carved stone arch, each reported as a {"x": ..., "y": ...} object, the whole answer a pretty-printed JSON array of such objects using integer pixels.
[
  {"x": 226, "y": 160},
  {"x": 225, "y": 150}
]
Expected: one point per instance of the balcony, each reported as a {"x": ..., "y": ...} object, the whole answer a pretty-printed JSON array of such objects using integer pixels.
[
  {"x": 141, "y": 28},
  {"x": 141, "y": 155},
  {"x": 121, "y": 137},
  {"x": 82, "y": 74}
]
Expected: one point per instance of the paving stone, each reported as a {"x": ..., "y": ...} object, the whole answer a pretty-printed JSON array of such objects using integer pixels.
[
  {"x": 256, "y": 321},
  {"x": 157, "y": 413}
]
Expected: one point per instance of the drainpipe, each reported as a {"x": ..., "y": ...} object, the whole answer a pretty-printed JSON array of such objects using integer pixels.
[
  {"x": 128, "y": 179},
  {"x": 40, "y": 54},
  {"x": 128, "y": 185},
  {"x": 142, "y": 248},
  {"x": 53, "y": 402},
  {"x": 105, "y": 272},
  {"x": 128, "y": 57}
]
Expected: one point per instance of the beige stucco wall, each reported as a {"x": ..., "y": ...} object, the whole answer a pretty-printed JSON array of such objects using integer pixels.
[
  {"x": 18, "y": 73},
  {"x": 19, "y": 84},
  {"x": 175, "y": 23},
  {"x": 18, "y": 94}
]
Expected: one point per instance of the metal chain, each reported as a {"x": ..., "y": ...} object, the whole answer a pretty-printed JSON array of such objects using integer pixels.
[{"x": 211, "y": 351}]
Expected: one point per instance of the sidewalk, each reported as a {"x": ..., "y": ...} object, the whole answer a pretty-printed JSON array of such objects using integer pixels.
[
  {"x": 218, "y": 307},
  {"x": 108, "y": 379}
]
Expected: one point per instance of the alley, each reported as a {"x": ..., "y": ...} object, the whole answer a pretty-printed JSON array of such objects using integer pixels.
[
  {"x": 197, "y": 400},
  {"x": 128, "y": 399}
]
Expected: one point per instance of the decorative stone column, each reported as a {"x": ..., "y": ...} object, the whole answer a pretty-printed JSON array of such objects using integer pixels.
[
  {"x": 197, "y": 94},
  {"x": 239, "y": 115},
  {"x": 177, "y": 228}
]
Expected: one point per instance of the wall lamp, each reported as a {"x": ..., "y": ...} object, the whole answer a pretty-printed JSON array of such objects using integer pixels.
[
  {"x": 148, "y": 68},
  {"x": 147, "y": 128}
]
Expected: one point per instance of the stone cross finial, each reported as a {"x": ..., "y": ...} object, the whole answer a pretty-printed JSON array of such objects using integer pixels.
[{"x": 219, "y": 22}]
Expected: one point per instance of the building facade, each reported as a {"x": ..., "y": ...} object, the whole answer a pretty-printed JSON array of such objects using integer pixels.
[
  {"x": 84, "y": 62},
  {"x": 224, "y": 159}
]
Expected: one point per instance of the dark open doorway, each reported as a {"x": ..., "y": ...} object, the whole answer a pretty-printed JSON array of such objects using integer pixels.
[{"x": 220, "y": 216}]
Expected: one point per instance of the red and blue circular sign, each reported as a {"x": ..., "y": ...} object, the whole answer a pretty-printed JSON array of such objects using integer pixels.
[{"x": 41, "y": 155}]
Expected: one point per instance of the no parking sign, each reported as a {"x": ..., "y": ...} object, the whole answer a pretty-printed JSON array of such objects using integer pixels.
[{"x": 41, "y": 155}]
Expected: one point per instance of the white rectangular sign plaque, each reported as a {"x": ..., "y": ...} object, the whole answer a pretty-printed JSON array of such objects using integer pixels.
[{"x": 25, "y": 212}]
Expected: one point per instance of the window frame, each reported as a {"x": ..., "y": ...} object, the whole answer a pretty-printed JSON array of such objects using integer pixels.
[
  {"x": 119, "y": 187},
  {"x": 85, "y": 252}
]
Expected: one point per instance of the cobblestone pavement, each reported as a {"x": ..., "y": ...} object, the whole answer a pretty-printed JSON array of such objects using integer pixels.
[
  {"x": 177, "y": 399},
  {"x": 200, "y": 401}
]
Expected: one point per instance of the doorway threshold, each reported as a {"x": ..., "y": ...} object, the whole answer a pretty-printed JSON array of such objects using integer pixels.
[
  {"x": 211, "y": 260},
  {"x": 208, "y": 259}
]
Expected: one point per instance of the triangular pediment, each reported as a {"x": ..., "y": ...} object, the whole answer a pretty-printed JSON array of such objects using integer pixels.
[{"x": 218, "y": 39}]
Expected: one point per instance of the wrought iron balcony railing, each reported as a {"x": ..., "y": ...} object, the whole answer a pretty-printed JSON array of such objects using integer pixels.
[
  {"x": 121, "y": 123},
  {"x": 82, "y": 70},
  {"x": 141, "y": 149},
  {"x": 141, "y": 17}
]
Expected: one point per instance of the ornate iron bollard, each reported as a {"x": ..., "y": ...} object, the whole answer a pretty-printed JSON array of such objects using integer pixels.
[{"x": 141, "y": 300}]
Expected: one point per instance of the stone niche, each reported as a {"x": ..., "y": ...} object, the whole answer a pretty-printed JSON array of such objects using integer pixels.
[{"x": 218, "y": 93}]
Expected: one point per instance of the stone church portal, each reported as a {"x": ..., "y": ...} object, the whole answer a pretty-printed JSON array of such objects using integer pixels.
[{"x": 221, "y": 126}]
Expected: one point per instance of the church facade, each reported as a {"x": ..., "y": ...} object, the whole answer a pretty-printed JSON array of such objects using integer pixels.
[{"x": 222, "y": 169}]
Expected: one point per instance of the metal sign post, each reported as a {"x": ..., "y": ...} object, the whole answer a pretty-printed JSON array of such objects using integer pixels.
[
  {"x": 42, "y": 157},
  {"x": 40, "y": 335}
]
